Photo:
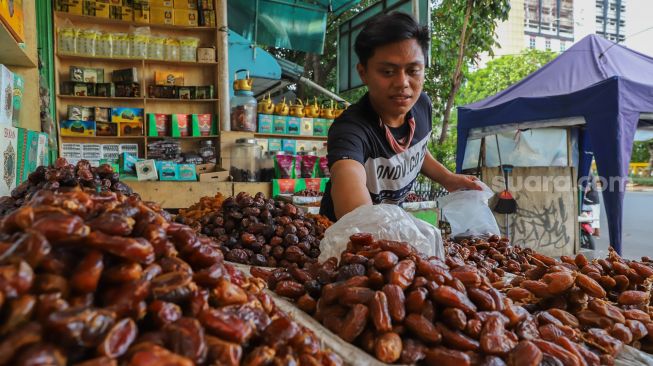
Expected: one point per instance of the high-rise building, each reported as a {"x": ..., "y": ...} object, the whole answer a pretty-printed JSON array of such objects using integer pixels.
[{"x": 611, "y": 19}]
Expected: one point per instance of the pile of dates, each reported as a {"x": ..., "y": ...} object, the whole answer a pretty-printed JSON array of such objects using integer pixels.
[
  {"x": 264, "y": 232},
  {"x": 405, "y": 308},
  {"x": 309, "y": 193},
  {"x": 414, "y": 197},
  {"x": 105, "y": 279},
  {"x": 61, "y": 176},
  {"x": 199, "y": 214}
]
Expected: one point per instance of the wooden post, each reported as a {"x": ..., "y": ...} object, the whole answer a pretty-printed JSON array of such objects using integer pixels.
[{"x": 222, "y": 78}]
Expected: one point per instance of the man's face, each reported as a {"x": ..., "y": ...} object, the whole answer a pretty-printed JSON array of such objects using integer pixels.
[{"x": 394, "y": 76}]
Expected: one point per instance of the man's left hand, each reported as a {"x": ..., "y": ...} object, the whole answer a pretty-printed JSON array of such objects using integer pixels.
[{"x": 457, "y": 182}]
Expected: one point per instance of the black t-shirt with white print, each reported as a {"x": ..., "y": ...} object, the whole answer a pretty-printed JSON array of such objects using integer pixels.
[{"x": 357, "y": 135}]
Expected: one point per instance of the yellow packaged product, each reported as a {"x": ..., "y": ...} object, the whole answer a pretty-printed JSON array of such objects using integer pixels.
[
  {"x": 161, "y": 15},
  {"x": 185, "y": 17},
  {"x": 67, "y": 40},
  {"x": 156, "y": 47}
]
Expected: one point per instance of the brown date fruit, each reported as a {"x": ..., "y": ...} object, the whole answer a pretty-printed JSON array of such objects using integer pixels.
[
  {"x": 87, "y": 274},
  {"x": 40, "y": 354},
  {"x": 123, "y": 272},
  {"x": 307, "y": 304},
  {"x": 606, "y": 309},
  {"x": 385, "y": 260},
  {"x": 587, "y": 318},
  {"x": 396, "y": 301},
  {"x": 226, "y": 293},
  {"x": 155, "y": 355},
  {"x": 493, "y": 337},
  {"x": 558, "y": 282},
  {"x": 564, "y": 317},
  {"x": 525, "y": 354},
  {"x": 641, "y": 269},
  {"x": 457, "y": 340},
  {"x": 415, "y": 300},
  {"x": 376, "y": 278},
  {"x": 354, "y": 323},
  {"x": 81, "y": 326},
  {"x": 567, "y": 358},
  {"x": 16, "y": 278},
  {"x": 483, "y": 300},
  {"x": 603, "y": 340},
  {"x": 25, "y": 335},
  {"x": 454, "y": 318},
  {"x": 350, "y": 296},
  {"x": 133, "y": 249},
  {"x": 173, "y": 286},
  {"x": 118, "y": 339},
  {"x": 527, "y": 329},
  {"x": 98, "y": 361},
  {"x": 450, "y": 297},
  {"x": 380, "y": 313},
  {"x": 622, "y": 333},
  {"x": 633, "y": 298},
  {"x": 590, "y": 286},
  {"x": 401, "y": 249},
  {"x": 388, "y": 347},
  {"x": 18, "y": 311},
  {"x": 227, "y": 326},
  {"x": 446, "y": 357},
  {"x": 402, "y": 274},
  {"x": 637, "y": 328},
  {"x": 412, "y": 352},
  {"x": 473, "y": 328},
  {"x": 59, "y": 227},
  {"x": 290, "y": 289},
  {"x": 163, "y": 313},
  {"x": 280, "y": 331},
  {"x": 422, "y": 328}
]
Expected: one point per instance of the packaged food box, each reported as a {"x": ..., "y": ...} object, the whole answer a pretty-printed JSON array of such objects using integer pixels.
[
  {"x": 129, "y": 75},
  {"x": 128, "y": 163},
  {"x": 146, "y": 170},
  {"x": 102, "y": 114},
  {"x": 161, "y": 15},
  {"x": 265, "y": 123},
  {"x": 206, "y": 54},
  {"x": 293, "y": 125},
  {"x": 289, "y": 145},
  {"x": 207, "y": 18},
  {"x": 128, "y": 90},
  {"x": 202, "y": 125},
  {"x": 205, "y": 92},
  {"x": 187, "y": 92},
  {"x": 205, "y": 4},
  {"x": 274, "y": 145},
  {"x": 264, "y": 144},
  {"x": 187, "y": 172},
  {"x": 185, "y": 4},
  {"x": 86, "y": 74},
  {"x": 6, "y": 95},
  {"x": 157, "y": 124},
  {"x": 74, "y": 7},
  {"x": 120, "y": 12},
  {"x": 162, "y": 91},
  {"x": 105, "y": 90},
  {"x": 79, "y": 113},
  {"x": 320, "y": 127},
  {"x": 126, "y": 114},
  {"x": 185, "y": 17},
  {"x": 130, "y": 129},
  {"x": 77, "y": 89},
  {"x": 106, "y": 129},
  {"x": 307, "y": 127},
  {"x": 17, "y": 101},
  {"x": 279, "y": 124},
  {"x": 77, "y": 128},
  {"x": 142, "y": 12},
  {"x": 167, "y": 170},
  {"x": 162, "y": 3},
  {"x": 179, "y": 125},
  {"x": 167, "y": 77},
  {"x": 98, "y": 8}
]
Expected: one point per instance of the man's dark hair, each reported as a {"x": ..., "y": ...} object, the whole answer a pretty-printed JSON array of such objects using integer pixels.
[{"x": 389, "y": 28}]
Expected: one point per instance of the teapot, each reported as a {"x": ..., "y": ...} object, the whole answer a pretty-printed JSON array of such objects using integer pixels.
[
  {"x": 338, "y": 111},
  {"x": 265, "y": 106},
  {"x": 282, "y": 108},
  {"x": 327, "y": 113},
  {"x": 243, "y": 84},
  {"x": 312, "y": 110},
  {"x": 297, "y": 109}
]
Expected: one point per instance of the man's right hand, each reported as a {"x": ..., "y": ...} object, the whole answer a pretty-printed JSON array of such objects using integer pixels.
[{"x": 348, "y": 187}]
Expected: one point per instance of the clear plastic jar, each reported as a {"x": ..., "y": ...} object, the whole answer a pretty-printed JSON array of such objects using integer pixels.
[
  {"x": 207, "y": 151},
  {"x": 243, "y": 111},
  {"x": 245, "y": 157},
  {"x": 266, "y": 166}
]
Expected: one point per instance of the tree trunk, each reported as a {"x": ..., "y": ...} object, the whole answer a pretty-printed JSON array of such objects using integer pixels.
[{"x": 457, "y": 75}]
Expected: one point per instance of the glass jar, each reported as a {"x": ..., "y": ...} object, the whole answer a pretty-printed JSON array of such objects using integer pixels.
[
  {"x": 245, "y": 156},
  {"x": 266, "y": 166},
  {"x": 207, "y": 152},
  {"x": 243, "y": 111}
]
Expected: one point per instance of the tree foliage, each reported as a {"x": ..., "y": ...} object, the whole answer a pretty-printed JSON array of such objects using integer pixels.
[{"x": 641, "y": 152}]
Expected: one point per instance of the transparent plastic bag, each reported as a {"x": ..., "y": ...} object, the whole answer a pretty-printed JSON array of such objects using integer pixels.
[
  {"x": 138, "y": 42},
  {"x": 104, "y": 45},
  {"x": 121, "y": 45},
  {"x": 384, "y": 221},
  {"x": 171, "y": 49},
  {"x": 67, "y": 39},
  {"x": 468, "y": 213},
  {"x": 85, "y": 42},
  {"x": 156, "y": 47},
  {"x": 188, "y": 48}
]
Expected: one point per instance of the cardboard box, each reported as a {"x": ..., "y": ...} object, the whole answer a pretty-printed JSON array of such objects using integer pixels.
[
  {"x": 207, "y": 18},
  {"x": 79, "y": 113},
  {"x": 6, "y": 95},
  {"x": 185, "y": 17},
  {"x": 168, "y": 77},
  {"x": 77, "y": 128},
  {"x": 274, "y": 145},
  {"x": 265, "y": 123},
  {"x": 142, "y": 12},
  {"x": 74, "y": 7},
  {"x": 97, "y": 8},
  {"x": 185, "y": 4},
  {"x": 130, "y": 129},
  {"x": 128, "y": 90},
  {"x": 105, "y": 90},
  {"x": 162, "y": 91},
  {"x": 205, "y": 92},
  {"x": 17, "y": 101},
  {"x": 146, "y": 170},
  {"x": 289, "y": 145},
  {"x": 161, "y": 15},
  {"x": 126, "y": 114},
  {"x": 179, "y": 125},
  {"x": 187, "y": 92},
  {"x": 167, "y": 170},
  {"x": 8, "y": 159},
  {"x": 187, "y": 172},
  {"x": 202, "y": 125},
  {"x": 129, "y": 75},
  {"x": 206, "y": 54},
  {"x": 78, "y": 89},
  {"x": 306, "y": 127},
  {"x": 293, "y": 125},
  {"x": 162, "y": 3},
  {"x": 211, "y": 173},
  {"x": 102, "y": 114},
  {"x": 158, "y": 124},
  {"x": 86, "y": 74},
  {"x": 128, "y": 163},
  {"x": 205, "y": 4},
  {"x": 279, "y": 124},
  {"x": 119, "y": 12},
  {"x": 106, "y": 129},
  {"x": 319, "y": 127}
]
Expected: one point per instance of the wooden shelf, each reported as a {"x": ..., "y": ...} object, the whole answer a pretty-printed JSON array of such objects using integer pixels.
[
  {"x": 182, "y": 137},
  {"x": 136, "y": 60},
  {"x": 62, "y": 96},
  {"x": 284, "y": 136},
  {"x": 104, "y": 137},
  {"x": 99, "y": 20},
  {"x": 166, "y": 100},
  {"x": 10, "y": 52}
]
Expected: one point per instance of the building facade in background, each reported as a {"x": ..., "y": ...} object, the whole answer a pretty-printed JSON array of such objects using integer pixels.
[{"x": 556, "y": 25}]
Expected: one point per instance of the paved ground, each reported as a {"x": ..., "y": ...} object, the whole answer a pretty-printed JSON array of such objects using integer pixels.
[{"x": 637, "y": 226}]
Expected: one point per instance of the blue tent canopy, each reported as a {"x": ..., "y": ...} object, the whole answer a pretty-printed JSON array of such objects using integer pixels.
[{"x": 606, "y": 84}]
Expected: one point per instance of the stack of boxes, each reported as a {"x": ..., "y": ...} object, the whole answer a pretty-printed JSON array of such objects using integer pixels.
[
  {"x": 90, "y": 82},
  {"x": 181, "y": 125},
  {"x": 169, "y": 84},
  {"x": 189, "y": 13}
]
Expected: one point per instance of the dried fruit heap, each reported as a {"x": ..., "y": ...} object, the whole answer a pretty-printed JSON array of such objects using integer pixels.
[
  {"x": 264, "y": 232},
  {"x": 403, "y": 307},
  {"x": 105, "y": 278},
  {"x": 64, "y": 175},
  {"x": 200, "y": 213}
]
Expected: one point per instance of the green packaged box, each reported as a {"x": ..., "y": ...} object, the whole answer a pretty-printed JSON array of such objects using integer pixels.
[
  {"x": 274, "y": 145},
  {"x": 265, "y": 123},
  {"x": 282, "y": 187},
  {"x": 280, "y": 124},
  {"x": 187, "y": 172},
  {"x": 203, "y": 124},
  {"x": 289, "y": 145},
  {"x": 157, "y": 124},
  {"x": 167, "y": 170},
  {"x": 319, "y": 127},
  {"x": 293, "y": 125}
]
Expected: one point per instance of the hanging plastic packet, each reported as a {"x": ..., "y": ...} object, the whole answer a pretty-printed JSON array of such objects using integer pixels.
[
  {"x": 323, "y": 167},
  {"x": 297, "y": 172},
  {"x": 284, "y": 164},
  {"x": 188, "y": 48},
  {"x": 104, "y": 45},
  {"x": 309, "y": 166}
]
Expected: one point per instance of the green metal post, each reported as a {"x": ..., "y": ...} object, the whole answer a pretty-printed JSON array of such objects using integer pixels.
[{"x": 45, "y": 41}]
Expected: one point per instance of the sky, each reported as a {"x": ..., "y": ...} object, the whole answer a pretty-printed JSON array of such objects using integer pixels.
[{"x": 639, "y": 19}]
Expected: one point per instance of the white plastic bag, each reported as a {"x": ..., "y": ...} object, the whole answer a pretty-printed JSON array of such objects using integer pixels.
[
  {"x": 384, "y": 221},
  {"x": 468, "y": 213}
]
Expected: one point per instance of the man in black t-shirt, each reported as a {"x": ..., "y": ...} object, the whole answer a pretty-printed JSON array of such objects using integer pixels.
[{"x": 378, "y": 146}]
